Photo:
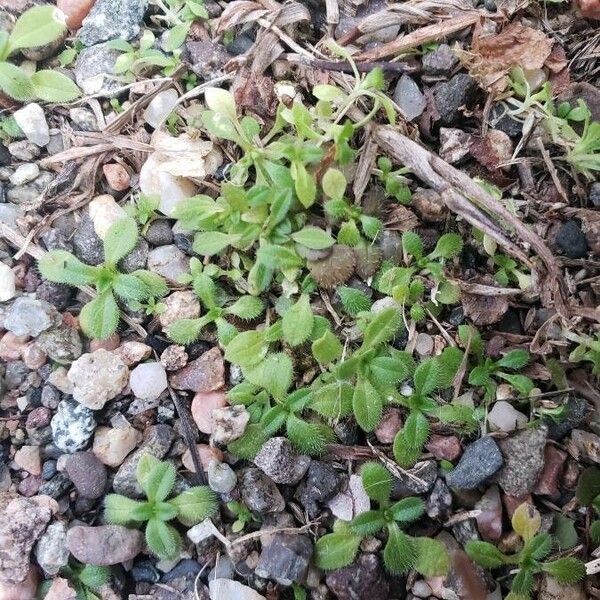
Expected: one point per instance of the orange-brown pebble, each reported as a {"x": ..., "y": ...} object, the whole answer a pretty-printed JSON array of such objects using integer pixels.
[
  {"x": 75, "y": 10},
  {"x": 110, "y": 343},
  {"x": 202, "y": 407},
  {"x": 117, "y": 176},
  {"x": 205, "y": 452},
  {"x": 11, "y": 346}
]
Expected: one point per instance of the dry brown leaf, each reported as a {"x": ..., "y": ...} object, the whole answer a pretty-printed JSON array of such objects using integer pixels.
[
  {"x": 483, "y": 309},
  {"x": 492, "y": 57}
]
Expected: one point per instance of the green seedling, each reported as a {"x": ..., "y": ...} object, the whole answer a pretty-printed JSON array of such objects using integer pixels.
[
  {"x": 99, "y": 318},
  {"x": 402, "y": 552},
  {"x": 394, "y": 181},
  {"x": 157, "y": 479},
  {"x": 218, "y": 305},
  {"x": 587, "y": 349},
  {"x": 244, "y": 516},
  {"x": 143, "y": 209},
  {"x": 86, "y": 580},
  {"x": 37, "y": 26},
  {"x": 179, "y": 16},
  {"x": 531, "y": 559}
]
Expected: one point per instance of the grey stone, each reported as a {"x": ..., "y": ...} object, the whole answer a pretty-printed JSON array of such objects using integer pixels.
[
  {"x": 418, "y": 480},
  {"x": 575, "y": 413},
  {"x": 278, "y": 460},
  {"x": 364, "y": 578},
  {"x": 83, "y": 119},
  {"x": 480, "y": 460},
  {"x": 285, "y": 559},
  {"x": 9, "y": 215},
  {"x": 523, "y": 461},
  {"x": 451, "y": 95},
  {"x": 24, "y": 150},
  {"x": 30, "y": 316},
  {"x": 594, "y": 195},
  {"x": 87, "y": 246},
  {"x": 62, "y": 344},
  {"x": 221, "y": 477},
  {"x": 104, "y": 545},
  {"x": 55, "y": 487},
  {"x": 409, "y": 98},
  {"x": 157, "y": 443},
  {"x": 51, "y": 550},
  {"x": 137, "y": 258},
  {"x": 439, "y": 503},
  {"x": 87, "y": 473},
  {"x": 321, "y": 484},
  {"x": 111, "y": 19},
  {"x": 440, "y": 61},
  {"x": 57, "y": 294},
  {"x": 259, "y": 493},
  {"x": 94, "y": 70},
  {"x": 160, "y": 233},
  {"x": 72, "y": 426}
]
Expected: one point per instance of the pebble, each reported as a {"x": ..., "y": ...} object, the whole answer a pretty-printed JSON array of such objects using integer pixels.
[
  {"x": 204, "y": 374},
  {"x": 444, "y": 447},
  {"x": 480, "y": 460},
  {"x": 24, "y": 174},
  {"x": 585, "y": 446},
  {"x": 571, "y": 240},
  {"x": 550, "y": 589},
  {"x": 55, "y": 487},
  {"x": 113, "y": 444},
  {"x": 34, "y": 357},
  {"x": 421, "y": 590},
  {"x": 117, "y": 176},
  {"x": 87, "y": 246},
  {"x": 145, "y": 571},
  {"x": 168, "y": 261},
  {"x": 28, "y": 316},
  {"x": 158, "y": 439},
  {"x": 38, "y": 417},
  {"x": 221, "y": 477},
  {"x": 87, "y": 473},
  {"x": 320, "y": 484},
  {"x": 554, "y": 462},
  {"x": 424, "y": 344},
  {"x": 29, "y": 459},
  {"x": 389, "y": 426},
  {"x": 228, "y": 423},
  {"x": 7, "y": 283},
  {"x": 51, "y": 550},
  {"x": 148, "y": 380},
  {"x": 159, "y": 233},
  {"x": 489, "y": 519},
  {"x": 174, "y": 357},
  {"x": 24, "y": 150},
  {"x": 75, "y": 11},
  {"x": 110, "y": 19},
  {"x": 72, "y": 426},
  {"x": 206, "y": 453},
  {"x": 454, "y": 145},
  {"x": 22, "y": 589},
  {"x": 523, "y": 461},
  {"x": 83, "y": 119},
  {"x": 451, "y": 95},
  {"x": 439, "y": 502},
  {"x": 364, "y": 578},
  {"x": 505, "y": 417},
  {"x": 575, "y": 413},
  {"x": 22, "y": 521},
  {"x": 278, "y": 460},
  {"x": 94, "y": 70},
  {"x": 104, "y": 545},
  {"x": 202, "y": 408},
  {"x": 179, "y": 305},
  {"x": 104, "y": 212},
  {"x": 594, "y": 195},
  {"x": 97, "y": 377},
  {"x": 132, "y": 353},
  {"x": 409, "y": 98},
  {"x": 440, "y": 61},
  {"x": 160, "y": 107},
  {"x": 32, "y": 121},
  {"x": 232, "y": 590},
  {"x": 416, "y": 481},
  {"x": 351, "y": 502},
  {"x": 62, "y": 345},
  {"x": 285, "y": 559},
  {"x": 259, "y": 493}
]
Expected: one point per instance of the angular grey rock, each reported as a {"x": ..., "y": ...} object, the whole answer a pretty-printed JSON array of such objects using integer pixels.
[
  {"x": 111, "y": 19},
  {"x": 451, "y": 95},
  {"x": 30, "y": 316},
  {"x": 364, "y": 578},
  {"x": 87, "y": 245},
  {"x": 157, "y": 443},
  {"x": 94, "y": 70},
  {"x": 409, "y": 98},
  {"x": 439, "y": 503},
  {"x": 62, "y": 344},
  {"x": 418, "y": 480},
  {"x": 72, "y": 426},
  {"x": 321, "y": 483},
  {"x": 259, "y": 493},
  {"x": 439, "y": 62},
  {"x": 51, "y": 550},
  {"x": 575, "y": 413},
  {"x": 523, "y": 461},
  {"x": 480, "y": 460},
  {"x": 278, "y": 460},
  {"x": 285, "y": 559}
]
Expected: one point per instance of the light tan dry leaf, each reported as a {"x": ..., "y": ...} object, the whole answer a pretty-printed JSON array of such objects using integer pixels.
[
  {"x": 184, "y": 156},
  {"x": 492, "y": 57}
]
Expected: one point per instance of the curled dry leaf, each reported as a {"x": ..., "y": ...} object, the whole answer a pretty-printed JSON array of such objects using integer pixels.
[
  {"x": 492, "y": 57},
  {"x": 483, "y": 309}
]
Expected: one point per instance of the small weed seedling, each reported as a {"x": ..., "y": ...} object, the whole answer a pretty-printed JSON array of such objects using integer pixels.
[
  {"x": 100, "y": 317},
  {"x": 143, "y": 209},
  {"x": 530, "y": 560},
  {"x": 86, "y": 580},
  {"x": 157, "y": 479},
  {"x": 587, "y": 349},
  {"x": 402, "y": 552},
  {"x": 37, "y": 26},
  {"x": 244, "y": 515}
]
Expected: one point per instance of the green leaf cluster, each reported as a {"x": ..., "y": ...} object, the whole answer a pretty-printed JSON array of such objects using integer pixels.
[
  {"x": 86, "y": 580},
  {"x": 402, "y": 552},
  {"x": 99, "y": 318},
  {"x": 157, "y": 479},
  {"x": 531, "y": 560},
  {"x": 37, "y": 26}
]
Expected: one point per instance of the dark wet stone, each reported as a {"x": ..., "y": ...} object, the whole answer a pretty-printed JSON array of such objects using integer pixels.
[
  {"x": 285, "y": 559},
  {"x": 87, "y": 245},
  {"x": 571, "y": 240},
  {"x": 451, "y": 95},
  {"x": 160, "y": 233},
  {"x": 480, "y": 460},
  {"x": 145, "y": 571},
  {"x": 418, "y": 480},
  {"x": 320, "y": 484},
  {"x": 501, "y": 120},
  {"x": 55, "y": 487},
  {"x": 575, "y": 413},
  {"x": 440, "y": 61},
  {"x": 363, "y": 579},
  {"x": 259, "y": 493}
]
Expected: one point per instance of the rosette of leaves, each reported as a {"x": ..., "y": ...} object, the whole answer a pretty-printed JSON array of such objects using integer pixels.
[
  {"x": 38, "y": 26},
  {"x": 218, "y": 305},
  {"x": 531, "y": 560},
  {"x": 588, "y": 494},
  {"x": 407, "y": 285},
  {"x": 157, "y": 478},
  {"x": 430, "y": 376},
  {"x": 487, "y": 370},
  {"x": 99, "y": 318},
  {"x": 394, "y": 181},
  {"x": 587, "y": 349},
  {"x": 402, "y": 552},
  {"x": 86, "y": 580}
]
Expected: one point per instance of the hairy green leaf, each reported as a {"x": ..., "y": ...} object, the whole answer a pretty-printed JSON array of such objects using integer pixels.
[
  {"x": 386, "y": 370},
  {"x": 194, "y": 505},
  {"x": 382, "y": 328},
  {"x": 247, "y": 307},
  {"x": 308, "y": 437},
  {"x": 327, "y": 348},
  {"x": 412, "y": 244},
  {"x": 400, "y": 552},
  {"x": 120, "y": 509},
  {"x": 588, "y": 486},
  {"x": 367, "y": 523},
  {"x": 313, "y": 237},
  {"x": 515, "y": 359},
  {"x": 61, "y": 266},
  {"x": 377, "y": 481},
  {"x": 120, "y": 240},
  {"x": 162, "y": 539},
  {"x": 209, "y": 243},
  {"x": 485, "y": 554},
  {"x": 367, "y": 404},
  {"x": 567, "y": 571},
  {"x": 94, "y": 576},
  {"x": 336, "y": 550},
  {"x": 274, "y": 374},
  {"x": 37, "y": 26},
  {"x": 297, "y": 322},
  {"x": 408, "y": 509},
  {"x": 128, "y": 287},
  {"x": 15, "y": 83},
  {"x": 353, "y": 300},
  {"x": 334, "y": 400},
  {"x": 432, "y": 557},
  {"x": 247, "y": 348},
  {"x": 159, "y": 482},
  {"x": 99, "y": 318},
  {"x": 449, "y": 245},
  {"x": 52, "y": 86}
]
